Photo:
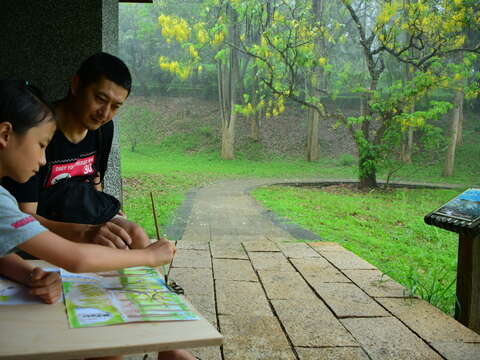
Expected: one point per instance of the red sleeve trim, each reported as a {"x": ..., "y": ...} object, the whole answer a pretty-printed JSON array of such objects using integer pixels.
[{"x": 23, "y": 222}]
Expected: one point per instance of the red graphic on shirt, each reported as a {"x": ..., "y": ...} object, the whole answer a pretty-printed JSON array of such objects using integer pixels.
[
  {"x": 23, "y": 222},
  {"x": 79, "y": 167}
]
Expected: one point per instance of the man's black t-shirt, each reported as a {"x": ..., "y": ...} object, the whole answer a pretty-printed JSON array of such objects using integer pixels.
[{"x": 65, "y": 159}]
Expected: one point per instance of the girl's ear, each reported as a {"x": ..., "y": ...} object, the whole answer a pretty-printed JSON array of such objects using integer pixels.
[
  {"x": 5, "y": 133},
  {"x": 74, "y": 85}
]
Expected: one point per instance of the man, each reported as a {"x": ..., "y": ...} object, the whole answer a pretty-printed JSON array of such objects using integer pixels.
[
  {"x": 79, "y": 150},
  {"x": 83, "y": 138}
]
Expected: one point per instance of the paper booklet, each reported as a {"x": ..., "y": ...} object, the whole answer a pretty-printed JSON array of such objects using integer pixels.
[{"x": 129, "y": 295}]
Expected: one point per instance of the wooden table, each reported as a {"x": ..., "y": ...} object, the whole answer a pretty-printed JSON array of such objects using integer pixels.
[{"x": 41, "y": 331}]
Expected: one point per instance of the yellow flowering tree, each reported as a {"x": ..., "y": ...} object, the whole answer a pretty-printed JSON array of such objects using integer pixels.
[{"x": 412, "y": 32}]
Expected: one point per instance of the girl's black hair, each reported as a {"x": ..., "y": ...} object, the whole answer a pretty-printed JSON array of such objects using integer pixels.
[{"x": 22, "y": 105}]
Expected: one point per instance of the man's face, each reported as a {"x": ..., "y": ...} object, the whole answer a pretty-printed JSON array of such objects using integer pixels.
[{"x": 98, "y": 102}]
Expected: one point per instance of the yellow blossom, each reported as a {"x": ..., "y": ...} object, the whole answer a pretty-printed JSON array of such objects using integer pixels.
[
  {"x": 193, "y": 52},
  {"x": 218, "y": 38}
]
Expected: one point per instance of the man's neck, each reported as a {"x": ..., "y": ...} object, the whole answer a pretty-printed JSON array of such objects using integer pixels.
[{"x": 68, "y": 123}]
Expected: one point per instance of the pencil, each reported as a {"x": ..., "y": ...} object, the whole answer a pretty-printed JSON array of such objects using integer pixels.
[{"x": 165, "y": 275}]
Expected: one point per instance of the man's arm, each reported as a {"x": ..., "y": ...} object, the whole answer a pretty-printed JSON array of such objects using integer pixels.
[
  {"x": 98, "y": 184},
  {"x": 108, "y": 234}
]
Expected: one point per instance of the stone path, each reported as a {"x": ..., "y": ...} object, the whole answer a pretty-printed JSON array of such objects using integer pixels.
[{"x": 274, "y": 298}]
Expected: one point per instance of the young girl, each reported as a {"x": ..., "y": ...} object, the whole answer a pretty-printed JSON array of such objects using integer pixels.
[{"x": 26, "y": 127}]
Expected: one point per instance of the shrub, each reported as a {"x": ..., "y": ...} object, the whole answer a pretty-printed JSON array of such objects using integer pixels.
[{"x": 347, "y": 160}]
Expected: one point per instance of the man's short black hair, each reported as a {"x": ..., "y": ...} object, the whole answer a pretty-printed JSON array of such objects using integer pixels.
[{"x": 104, "y": 64}]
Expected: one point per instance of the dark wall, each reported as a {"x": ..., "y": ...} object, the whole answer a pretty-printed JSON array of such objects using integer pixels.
[{"x": 44, "y": 41}]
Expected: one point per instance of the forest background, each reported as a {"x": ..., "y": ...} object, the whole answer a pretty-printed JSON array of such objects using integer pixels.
[{"x": 362, "y": 89}]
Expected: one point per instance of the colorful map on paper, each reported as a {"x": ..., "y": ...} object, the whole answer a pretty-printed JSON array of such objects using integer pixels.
[{"x": 129, "y": 295}]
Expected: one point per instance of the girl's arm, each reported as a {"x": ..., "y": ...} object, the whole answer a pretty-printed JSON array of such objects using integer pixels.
[
  {"x": 46, "y": 285},
  {"x": 78, "y": 257},
  {"x": 15, "y": 268}
]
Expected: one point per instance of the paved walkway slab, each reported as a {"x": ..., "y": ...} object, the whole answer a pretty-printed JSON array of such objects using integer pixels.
[
  {"x": 429, "y": 322},
  {"x": 335, "y": 353},
  {"x": 377, "y": 284},
  {"x": 241, "y": 298},
  {"x": 228, "y": 249},
  {"x": 311, "y": 323},
  {"x": 233, "y": 269},
  {"x": 285, "y": 285},
  {"x": 297, "y": 250},
  {"x": 388, "y": 338},
  {"x": 348, "y": 300},
  {"x": 254, "y": 337}
]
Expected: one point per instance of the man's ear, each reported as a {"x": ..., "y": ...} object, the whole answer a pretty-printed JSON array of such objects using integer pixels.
[
  {"x": 75, "y": 85},
  {"x": 5, "y": 133}
]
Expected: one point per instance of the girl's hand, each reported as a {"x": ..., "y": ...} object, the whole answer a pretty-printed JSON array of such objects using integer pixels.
[
  {"x": 162, "y": 252},
  {"x": 46, "y": 285}
]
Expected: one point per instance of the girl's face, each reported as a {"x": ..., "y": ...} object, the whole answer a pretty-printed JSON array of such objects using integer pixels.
[{"x": 23, "y": 155}]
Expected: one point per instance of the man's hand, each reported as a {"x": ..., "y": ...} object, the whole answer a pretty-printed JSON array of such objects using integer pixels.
[
  {"x": 46, "y": 285},
  {"x": 108, "y": 234}
]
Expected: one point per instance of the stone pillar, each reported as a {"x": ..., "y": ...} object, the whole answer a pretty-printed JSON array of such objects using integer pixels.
[
  {"x": 113, "y": 179},
  {"x": 45, "y": 42}
]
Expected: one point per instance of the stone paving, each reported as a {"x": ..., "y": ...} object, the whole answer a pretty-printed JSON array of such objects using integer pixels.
[{"x": 273, "y": 297}]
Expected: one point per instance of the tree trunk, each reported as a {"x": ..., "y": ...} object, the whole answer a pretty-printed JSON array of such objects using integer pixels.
[
  {"x": 228, "y": 82},
  {"x": 255, "y": 117},
  {"x": 368, "y": 181},
  {"x": 228, "y": 138},
  {"x": 460, "y": 123},
  {"x": 450, "y": 160},
  {"x": 313, "y": 148},
  {"x": 255, "y": 127},
  {"x": 407, "y": 139},
  {"x": 313, "y": 152},
  {"x": 407, "y": 146},
  {"x": 366, "y": 169}
]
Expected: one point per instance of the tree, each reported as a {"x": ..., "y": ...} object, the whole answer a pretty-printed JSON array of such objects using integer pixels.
[
  {"x": 137, "y": 126},
  {"x": 433, "y": 30}
]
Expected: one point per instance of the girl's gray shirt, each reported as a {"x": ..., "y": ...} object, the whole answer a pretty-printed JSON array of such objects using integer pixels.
[{"x": 16, "y": 227}]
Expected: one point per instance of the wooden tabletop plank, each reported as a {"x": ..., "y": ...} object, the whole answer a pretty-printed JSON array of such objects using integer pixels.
[{"x": 41, "y": 331}]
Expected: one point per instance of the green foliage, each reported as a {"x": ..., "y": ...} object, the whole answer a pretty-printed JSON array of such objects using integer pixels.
[
  {"x": 347, "y": 160},
  {"x": 368, "y": 156},
  {"x": 437, "y": 286}
]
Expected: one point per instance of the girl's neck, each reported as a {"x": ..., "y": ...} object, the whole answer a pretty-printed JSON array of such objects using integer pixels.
[{"x": 68, "y": 123}]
